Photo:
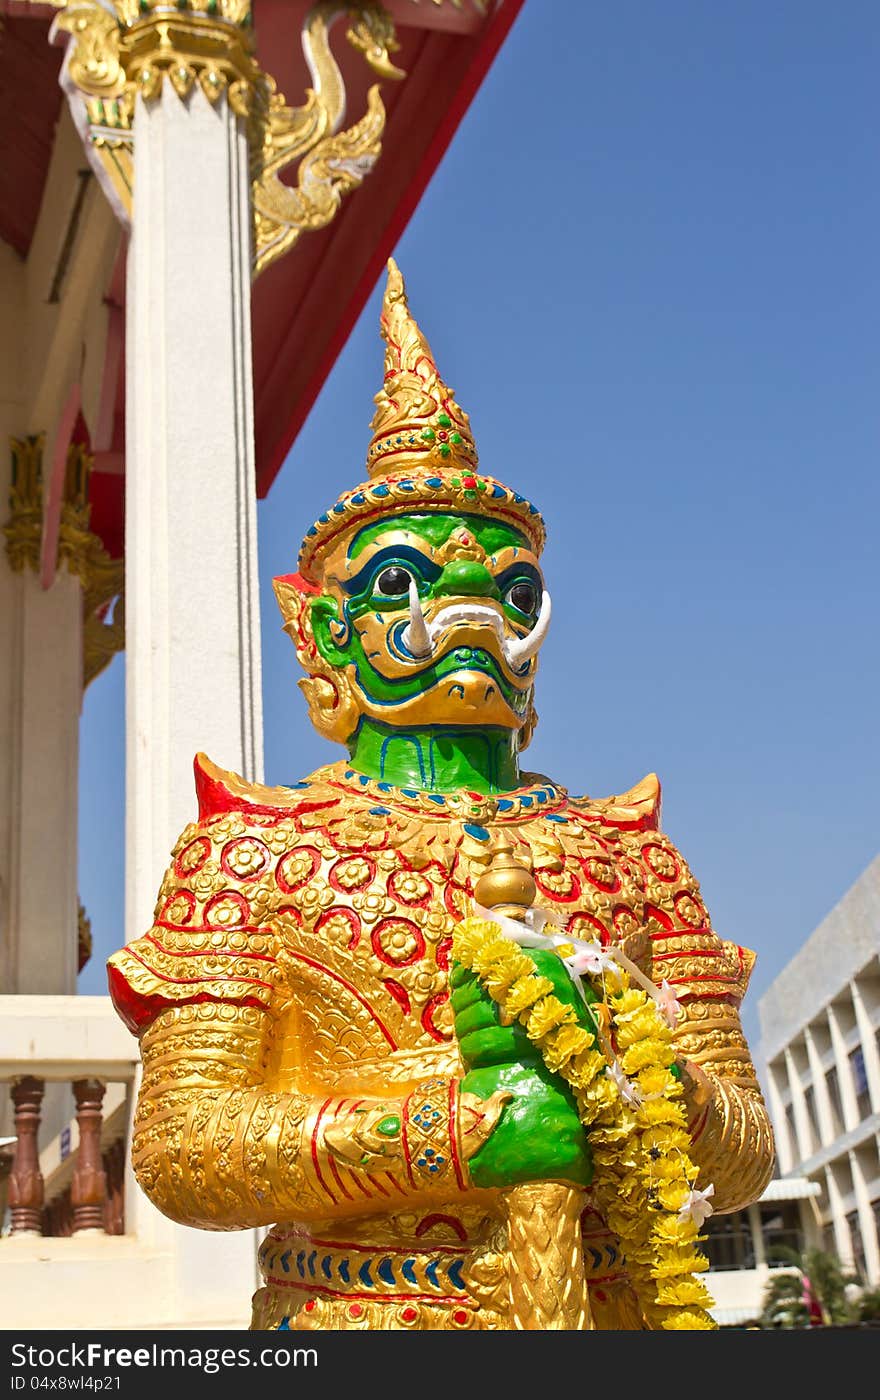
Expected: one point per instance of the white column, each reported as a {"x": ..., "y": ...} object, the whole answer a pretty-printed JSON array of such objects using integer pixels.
[
  {"x": 192, "y": 618},
  {"x": 192, "y": 615},
  {"x": 821, "y": 1096},
  {"x": 46, "y": 662},
  {"x": 844, "y": 1073},
  {"x": 40, "y": 697},
  {"x": 868, "y": 1045},
  {"x": 758, "y": 1246},
  {"x": 785, "y": 1149},
  {"x": 867, "y": 1227},
  {"x": 801, "y": 1118},
  {"x": 842, "y": 1241}
]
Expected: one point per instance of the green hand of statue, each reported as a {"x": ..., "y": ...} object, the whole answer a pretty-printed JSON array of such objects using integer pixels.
[{"x": 539, "y": 1136}]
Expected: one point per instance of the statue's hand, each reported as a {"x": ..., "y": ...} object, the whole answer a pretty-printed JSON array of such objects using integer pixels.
[{"x": 535, "y": 1132}]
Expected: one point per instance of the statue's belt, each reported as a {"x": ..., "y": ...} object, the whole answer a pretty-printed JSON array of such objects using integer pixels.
[{"x": 333, "y": 1269}]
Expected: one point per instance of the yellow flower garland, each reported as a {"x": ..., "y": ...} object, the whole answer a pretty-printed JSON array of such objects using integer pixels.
[{"x": 643, "y": 1174}]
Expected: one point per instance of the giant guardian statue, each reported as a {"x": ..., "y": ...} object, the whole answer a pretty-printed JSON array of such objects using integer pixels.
[{"x": 466, "y": 1043}]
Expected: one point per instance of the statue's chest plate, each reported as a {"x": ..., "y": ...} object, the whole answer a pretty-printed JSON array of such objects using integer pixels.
[{"x": 367, "y": 925}]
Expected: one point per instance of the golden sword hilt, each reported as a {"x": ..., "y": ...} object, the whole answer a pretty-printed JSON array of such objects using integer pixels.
[{"x": 545, "y": 1259}]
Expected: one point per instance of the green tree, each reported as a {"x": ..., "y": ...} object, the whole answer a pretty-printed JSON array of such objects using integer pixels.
[
  {"x": 868, "y": 1305},
  {"x": 811, "y": 1272}
]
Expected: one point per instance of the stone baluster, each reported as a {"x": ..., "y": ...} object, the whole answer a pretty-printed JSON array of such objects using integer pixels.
[
  {"x": 26, "y": 1179},
  {"x": 89, "y": 1186}
]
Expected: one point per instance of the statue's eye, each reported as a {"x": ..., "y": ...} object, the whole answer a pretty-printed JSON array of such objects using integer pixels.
[
  {"x": 524, "y": 597},
  {"x": 392, "y": 582}
]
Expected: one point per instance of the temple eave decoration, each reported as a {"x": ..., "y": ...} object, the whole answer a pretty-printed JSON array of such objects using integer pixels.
[
  {"x": 115, "y": 57},
  {"x": 79, "y": 549}
]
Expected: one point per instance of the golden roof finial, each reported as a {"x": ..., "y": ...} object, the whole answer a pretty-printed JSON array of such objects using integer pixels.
[{"x": 417, "y": 425}]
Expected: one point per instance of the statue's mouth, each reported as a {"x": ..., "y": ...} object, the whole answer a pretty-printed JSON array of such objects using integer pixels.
[{"x": 426, "y": 639}]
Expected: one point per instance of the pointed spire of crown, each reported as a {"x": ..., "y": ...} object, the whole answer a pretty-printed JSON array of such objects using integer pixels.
[{"x": 417, "y": 425}]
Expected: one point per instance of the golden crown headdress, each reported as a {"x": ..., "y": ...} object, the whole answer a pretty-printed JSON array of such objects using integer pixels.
[{"x": 422, "y": 454}]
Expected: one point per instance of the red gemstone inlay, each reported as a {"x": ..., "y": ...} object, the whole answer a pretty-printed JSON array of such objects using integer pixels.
[
  {"x": 310, "y": 1306},
  {"x": 355, "y": 1310},
  {"x": 409, "y": 1315},
  {"x": 460, "y": 1316}
]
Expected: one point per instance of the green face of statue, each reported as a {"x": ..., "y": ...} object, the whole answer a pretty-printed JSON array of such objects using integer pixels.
[{"x": 436, "y": 619}]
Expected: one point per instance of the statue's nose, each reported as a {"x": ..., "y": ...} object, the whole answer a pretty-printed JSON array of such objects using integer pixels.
[{"x": 466, "y": 577}]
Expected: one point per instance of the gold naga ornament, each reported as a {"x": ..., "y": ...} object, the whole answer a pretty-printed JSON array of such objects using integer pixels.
[
  {"x": 466, "y": 1043},
  {"x": 123, "y": 50}
]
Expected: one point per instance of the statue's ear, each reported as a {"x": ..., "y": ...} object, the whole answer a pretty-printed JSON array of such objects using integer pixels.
[{"x": 292, "y": 593}]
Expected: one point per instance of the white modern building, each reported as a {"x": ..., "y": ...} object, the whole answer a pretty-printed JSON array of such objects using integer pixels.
[{"x": 819, "y": 1063}]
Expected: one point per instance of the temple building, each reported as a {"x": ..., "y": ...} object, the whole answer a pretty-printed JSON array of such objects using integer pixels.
[{"x": 196, "y": 200}]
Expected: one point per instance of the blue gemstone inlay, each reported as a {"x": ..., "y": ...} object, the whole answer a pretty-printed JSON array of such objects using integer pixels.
[
  {"x": 554, "y": 817},
  {"x": 285, "y": 1261},
  {"x": 526, "y": 801},
  {"x": 380, "y": 490},
  {"x": 383, "y": 787},
  {"x": 364, "y": 1275},
  {"x": 362, "y": 780},
  {"x": 324, "y": 519},
  {"x": 408, "y": 1271},
  {"x": 311, "y": 1262},
  {"x": 300, "y": 1264},
  {"x": 326, "y": 1263},
  {"x": 343, "y": 1271},
  {"x": 431, "y": 1272},
  {"x": 380, "y": 811},
  {"x": 409, "y": 792},
  {"x": 406, "y": 485},
  {"x": 385, "y": 1270},
  {"x": 340, "y": 508},
  {"x": 284, "y": 1325},
  {"x": 520, "y": 500},
  {"x": 435, "y": 797},
  {"x": 479, "y": 833},
  {"x": 311, "y": 530},
  {"x": 504, "y": 804},
  {"x": 349, "y": 772},
  {"x": 358, "y": 498},
  {"x": 542, "y": 795},
  {"x": 433, "y": 481},
  {"x": 498, "y": 491}
]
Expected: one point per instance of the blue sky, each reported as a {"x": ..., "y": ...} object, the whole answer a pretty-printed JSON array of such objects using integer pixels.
[{"x": 648, "y": 267}]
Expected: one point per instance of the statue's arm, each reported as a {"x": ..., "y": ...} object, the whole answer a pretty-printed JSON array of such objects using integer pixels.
[
  {"x": 213, "y": 1146},
  {"x": 732, "y": 1140},
  {"x": 221, "y": 1139}
]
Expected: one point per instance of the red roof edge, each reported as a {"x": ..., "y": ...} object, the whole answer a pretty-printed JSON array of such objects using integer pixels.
[{"x": 497, "y": 30}]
